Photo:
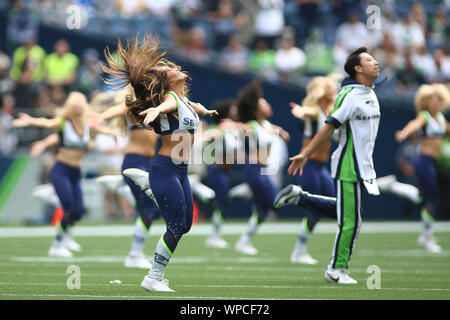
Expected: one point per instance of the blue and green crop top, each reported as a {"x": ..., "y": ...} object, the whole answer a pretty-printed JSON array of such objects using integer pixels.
[
  {"x": 69, "y": 138},
  {"x": 433, "y": 127},
  {"x": 187, "y": 120}
]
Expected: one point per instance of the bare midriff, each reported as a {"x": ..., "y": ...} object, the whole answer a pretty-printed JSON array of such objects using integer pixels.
[
  {"x": 431, "y": 146},
  {"x": 177, "y": 146},
  {"x": 70, "y": 156},
  {"x": 142, "y": 142},
  {"x": 322, "y": 154}
]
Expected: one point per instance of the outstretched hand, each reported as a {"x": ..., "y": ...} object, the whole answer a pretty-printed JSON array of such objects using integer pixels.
[
  {"x": 22, "y": 121},
  {"x": 296, "y": 110},
  {"x": 297, "y": 164},
  {"x": 150, "y": 115},
  {"x": 211, "y": 113}
]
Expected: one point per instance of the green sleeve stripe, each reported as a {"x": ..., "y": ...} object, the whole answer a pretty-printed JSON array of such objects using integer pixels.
[
  {"x": 340, "y": 99},
  {"x": 425, "y": 114},
  {"x": 62, "y": 124}
]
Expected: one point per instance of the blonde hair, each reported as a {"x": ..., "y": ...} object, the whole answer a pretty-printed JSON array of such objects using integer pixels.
[
  {"x": 72, "y": 99},
  {"x": 426, "y": 91},
  {"x": 316, "y": 89}
]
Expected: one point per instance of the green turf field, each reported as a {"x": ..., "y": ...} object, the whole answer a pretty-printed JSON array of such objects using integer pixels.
[{"x": 198, "y": 272}]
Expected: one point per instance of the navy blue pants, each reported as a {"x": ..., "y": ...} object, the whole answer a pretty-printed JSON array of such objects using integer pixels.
[
  {"x": 316, "y": 179},
  {"x": 66, "y": 181},
  {"x": 218, "y": 180},
  {"x": 170, "y": 184},
  {"x": 425, "y": 168},
  {"x": 263, "y": 187},
  {"x": 145, "y": 207}
]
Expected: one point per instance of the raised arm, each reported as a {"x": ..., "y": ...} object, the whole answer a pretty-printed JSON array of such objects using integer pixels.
[
  {"x": 202, "y": 111},
  {"x": 25, "y": 120},
  {"x": 412, "y": 127},
  {"x": 302, "y": 112},
  {"x": 169, "y": 105}
]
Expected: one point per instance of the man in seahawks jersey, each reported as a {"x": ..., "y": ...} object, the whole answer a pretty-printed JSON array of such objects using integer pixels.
[{"x": 357, "y": 113}]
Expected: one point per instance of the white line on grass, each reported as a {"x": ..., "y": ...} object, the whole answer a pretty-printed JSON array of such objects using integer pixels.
[
  {"x": 228, "y": 229},
  {"x": 168, "y": 296}
]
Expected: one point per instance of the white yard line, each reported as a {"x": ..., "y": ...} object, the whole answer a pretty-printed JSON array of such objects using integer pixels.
[{"x": 204, "y": 229}]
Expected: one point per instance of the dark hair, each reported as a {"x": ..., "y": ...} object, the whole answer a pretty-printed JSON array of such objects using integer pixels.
[
  {"x": 223, "y": 108},
  {"x": 247, "y": 101},
  {"x": 354, "y": 60},
  {"x": 141, "y": 66}
]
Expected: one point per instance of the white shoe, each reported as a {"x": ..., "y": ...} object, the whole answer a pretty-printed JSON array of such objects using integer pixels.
[
  {"x": 201, "y": 191},
  {"x": 137, "y": 262},
  {"x": 110, "y": 182},
  {"x": 46, "y": 193},
  {"x": 139, "y": 177},
  {"x": 288, "y": 195},
  {"x": 216, "y": 242},
  {"x": 242, "y": 190},
  {"x": 339, "y": 276},
  {"x": 245, "y": 248},
  {"x": 429, "y": 242},
  {"x": 385, "y": 183},
  {"x": 303, "y": 258},
  {"x": 155, "y": 284},
  {"x": 59, "y": 250},
  {"x": 71, "y": 244}
]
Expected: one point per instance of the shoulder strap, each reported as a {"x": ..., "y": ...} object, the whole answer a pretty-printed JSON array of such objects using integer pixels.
[{"x": 173, "y": 94}]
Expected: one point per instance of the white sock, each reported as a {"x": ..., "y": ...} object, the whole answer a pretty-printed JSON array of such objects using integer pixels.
[
  {"x": 303, "y": 238},
  {"x": 139, "y": 238},
  {"x": 252, "y": 227},
  {"x": 217, "y": 221},
  {"x": 125, "y": 191},
  {"x": 162, "y": 257},
  {"x": 427, "y": 220},
  {"x": 406, "y": 191}
]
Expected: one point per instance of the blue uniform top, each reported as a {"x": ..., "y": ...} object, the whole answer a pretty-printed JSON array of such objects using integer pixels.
[{"x": 187, "y": 120}]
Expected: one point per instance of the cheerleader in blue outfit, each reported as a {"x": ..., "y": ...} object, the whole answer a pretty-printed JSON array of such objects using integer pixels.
[
  {"x": 227, "y": 146},
  {"x": 161, "y": 102},
  {"x": 431, "y": 125},
  {"x": 254, "y": 111},
  {"x": 74, "y": 134}
]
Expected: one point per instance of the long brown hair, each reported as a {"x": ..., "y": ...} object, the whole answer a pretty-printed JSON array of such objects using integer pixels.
[{"x": 142, "y": 66}]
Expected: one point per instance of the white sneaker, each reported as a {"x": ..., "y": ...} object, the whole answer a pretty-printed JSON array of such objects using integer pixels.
[
  {"x": 139, "y": 177},
  {"x": 288, "y": 195},
  {"x": 216, "y": 242},
  {"x": 339, "y": 276},
  {"x": 71, "y": 244},
  {"x": 242, "y": 190},
  {"x": 111, "y": 182},
  {"x": 155, "y": 284},
  {"x": 303, "y": 258},
  {"x": 59, "y": 250},
  {"x": 245, "y": 248},
  {"x": 46, "y": 193},
  {"x": 385, "y": 183},
  {"x": 429, "y": 243},
  {"x": 204, "y": 193},
  {"x": 137, "y": 262}
]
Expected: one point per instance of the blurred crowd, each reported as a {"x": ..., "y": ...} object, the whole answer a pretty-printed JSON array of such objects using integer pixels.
[{"x": 283, "y": 41}]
